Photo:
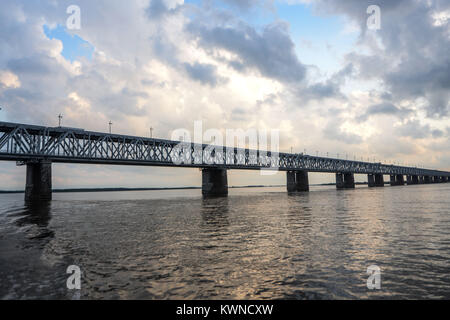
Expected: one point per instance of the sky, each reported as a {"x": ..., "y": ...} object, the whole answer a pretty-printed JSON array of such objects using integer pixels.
[{"x": 310, "y": 68}]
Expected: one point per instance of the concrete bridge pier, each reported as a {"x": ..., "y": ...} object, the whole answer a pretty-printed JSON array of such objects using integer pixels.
[
  {"x": 345, "y": 180},
  {"x": 214, "y": 182},
  {"x": 375, "y": 180},
  {"x": 379, "y": 180},
  {"x": 297, "y": 181},
  {"x": 393, "y": 180},
  {"x": 412, "y": 179},
  {"x": 39, "y": 181},
  {"x": 397, "y": 180},
  {"x": 371, "y": 180}
]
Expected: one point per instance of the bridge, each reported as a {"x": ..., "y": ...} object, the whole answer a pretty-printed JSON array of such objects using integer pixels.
[{"x": 38, "y": 147}]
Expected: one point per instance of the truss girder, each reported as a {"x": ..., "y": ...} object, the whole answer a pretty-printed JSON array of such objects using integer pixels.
[{"x": 22, "y": 142}]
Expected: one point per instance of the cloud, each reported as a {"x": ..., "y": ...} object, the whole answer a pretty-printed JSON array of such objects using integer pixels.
[
  {"x": 271, "y": 51},
  {"x": 9, "y": 79},
  {"x": 333, "y": 131},
  {"x": 436, "y": 133},
  {"x": 414, "y": 129},
  {"x": 160, "y": 8},
  {"x": 409, "y": 54},
  {"x": 204, "y": 73},
  {"x": 330, "y": 88},
  {"x": 384, "y": 108}
]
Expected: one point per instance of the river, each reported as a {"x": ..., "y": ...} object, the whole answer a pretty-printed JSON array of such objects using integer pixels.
[{"x": 258, "y": 243}]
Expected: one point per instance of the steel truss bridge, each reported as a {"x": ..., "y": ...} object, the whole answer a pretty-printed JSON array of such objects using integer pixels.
[{"x": 31, "y": 143}]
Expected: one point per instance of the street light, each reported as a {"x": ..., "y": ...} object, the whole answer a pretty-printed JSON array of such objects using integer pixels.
[
  {"x": 110, "y": 126},
  {"x": 151, "y": 132},
  {"x": 59, "y": 119}
]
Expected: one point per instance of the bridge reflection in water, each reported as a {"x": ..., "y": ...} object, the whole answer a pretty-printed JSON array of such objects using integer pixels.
[{"x": 38, "y": 147}]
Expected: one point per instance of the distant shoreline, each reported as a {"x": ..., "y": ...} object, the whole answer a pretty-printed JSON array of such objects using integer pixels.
[
  {"x": 157, "y": 189},
  {"x": 126, "y": 189}
]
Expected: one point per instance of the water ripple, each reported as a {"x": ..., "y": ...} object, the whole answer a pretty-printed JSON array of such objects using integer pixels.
[{"x": 251, "y": 245}]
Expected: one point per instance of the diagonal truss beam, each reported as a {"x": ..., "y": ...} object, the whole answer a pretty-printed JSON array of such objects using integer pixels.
[{"x": 20, "y": 142}]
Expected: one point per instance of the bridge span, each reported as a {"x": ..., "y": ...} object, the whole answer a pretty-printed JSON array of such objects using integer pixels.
[{"x": 38, "y": 147}]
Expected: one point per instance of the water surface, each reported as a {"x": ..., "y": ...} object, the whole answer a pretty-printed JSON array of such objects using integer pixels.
[{"x": 258, "y": 243}]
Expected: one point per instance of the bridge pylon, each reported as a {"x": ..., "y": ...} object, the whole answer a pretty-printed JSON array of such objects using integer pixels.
[
  {"x": 297, "y": 181},
  {"x": 214, "y": 182},
  {"x": 38, "y": 181},
  {"x": 397, "y": 180},
  {"x": 345, "y": 180}
]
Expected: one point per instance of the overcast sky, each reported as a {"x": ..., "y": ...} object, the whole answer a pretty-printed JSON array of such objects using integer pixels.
[{"x": 309, "y": 68}]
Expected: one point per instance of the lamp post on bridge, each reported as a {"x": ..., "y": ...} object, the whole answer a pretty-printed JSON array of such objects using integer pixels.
[
  {"x": 59, "y": 120},
  {"x": 151, "y": 132},
  {"x": 110, "y": 127}
]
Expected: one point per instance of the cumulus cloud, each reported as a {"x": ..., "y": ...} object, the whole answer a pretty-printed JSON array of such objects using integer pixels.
[
  {"x": 334, "y": 131},
  {"x": 271, "y": 52},
  {"x": 415, "y": 129},
  {"x": 9, "y": 79},
  {"x": 384, "y": 108},
  {"x": 161, "y": 8},
  {"x": 409, "y": 54},
  {"x": 203, "y": 72}
]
